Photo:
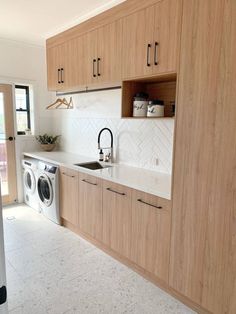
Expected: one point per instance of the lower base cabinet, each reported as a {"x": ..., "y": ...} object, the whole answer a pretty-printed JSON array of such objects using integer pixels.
[
  {"x": 90, "y": 205},
  {"x": 69, "y": 194},
  {"x": 151, "y": 233},
  {"x": 117, "y": 217}
]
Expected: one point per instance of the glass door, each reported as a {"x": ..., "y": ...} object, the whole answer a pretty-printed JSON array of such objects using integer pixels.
[{"x": 7, "y": 146}]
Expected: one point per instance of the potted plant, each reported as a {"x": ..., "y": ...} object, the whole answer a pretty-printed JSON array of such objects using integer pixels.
[{"x": 47, "y": 142}]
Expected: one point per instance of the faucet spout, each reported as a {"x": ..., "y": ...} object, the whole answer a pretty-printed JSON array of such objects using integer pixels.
[{"x": 111, "y": 147}]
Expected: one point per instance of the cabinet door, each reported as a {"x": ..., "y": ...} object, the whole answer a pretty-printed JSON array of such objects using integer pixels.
[
  {"x": 56, "y": 67},
  {"x": 76, "y": 64},
  {"x": 69, "y": 195},
  {"x": 167, "y": 30},
  {"x": 138, "y": 50},
  {"x": 151, "y": 233},
  {"x": 117, "y": 217},
  {"x": 53, "y": 65},
  {"x": 109, "y": 53},
  {"x": 91, "y": 62},
  {"x": 90, "y": 206},
  {"x": 203, "y": 246}
]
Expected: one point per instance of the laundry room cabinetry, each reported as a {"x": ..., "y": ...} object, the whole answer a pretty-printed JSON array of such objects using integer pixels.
[
  {"x": 151, "y": 40},
  {"x": 117, "y": 217},
  {"x": 89, "y": 193},
  {"x": 203, "y": 242},
  {"x": 151, "y": 222},
  {"x": 133, "y": 40},
  {"x": 69, "y": 182}
]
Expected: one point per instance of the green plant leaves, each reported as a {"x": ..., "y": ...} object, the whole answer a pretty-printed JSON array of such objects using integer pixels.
[{"x": 47, "y": 139}]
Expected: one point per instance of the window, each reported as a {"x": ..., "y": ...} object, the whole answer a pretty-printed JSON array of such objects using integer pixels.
[{"x": 22, "y": 108}]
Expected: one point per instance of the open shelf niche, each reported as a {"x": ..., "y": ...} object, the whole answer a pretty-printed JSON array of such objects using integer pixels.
[{"x": 161, "y": 87}]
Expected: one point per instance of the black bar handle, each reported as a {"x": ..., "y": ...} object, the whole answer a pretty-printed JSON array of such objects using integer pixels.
[
  {"x": 155, "y": 53},
  {"x": 3, "y": 295},
  {"x": 62, "y": 72},
  {"x": 141, "y": 201},
  {"x": 113, "y": 191},
  {"x": 148, "y": 54},
  {"x": 89, "y": 182},
  {"x": 98, "y": 68},
  {"x": 94, "y": 61},
  {"x": 58, "y": 76},
  {"x": 67, "y": 175}
]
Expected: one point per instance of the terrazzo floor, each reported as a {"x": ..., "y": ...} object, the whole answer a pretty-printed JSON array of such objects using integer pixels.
[{"x": 52, "y": 270}]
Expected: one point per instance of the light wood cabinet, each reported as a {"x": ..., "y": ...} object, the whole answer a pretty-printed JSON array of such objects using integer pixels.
[
  {"x": 56, "y": 67},
  {"x": 203, "y": 246},
  {"x": 90, "y": 205},
  {"x": 76, "y": 64},
  {"x": 109, "y": 53},
  {"x": 151, "y": 233},
  {"x": 117, "y": 217},
  {"x": 151, "y": 40},
  {"x": 69, "y": 195},
  {"x": 104, "y": 55}
]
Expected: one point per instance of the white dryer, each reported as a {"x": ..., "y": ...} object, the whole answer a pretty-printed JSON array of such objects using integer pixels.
[
  {"x": 48, "y": 191},
  {"x": 30, "y": 173}
]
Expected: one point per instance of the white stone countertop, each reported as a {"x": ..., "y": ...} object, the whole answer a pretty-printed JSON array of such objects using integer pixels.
[{"x": 148, "y": 181}]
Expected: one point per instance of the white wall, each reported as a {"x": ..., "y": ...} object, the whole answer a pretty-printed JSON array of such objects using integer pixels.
[
  {"x": 21, "y": 63},
  {"x": 143, "y": 143}
]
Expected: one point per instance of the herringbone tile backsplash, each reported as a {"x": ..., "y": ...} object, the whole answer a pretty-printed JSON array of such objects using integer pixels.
[{"x": 142, "y": 143}]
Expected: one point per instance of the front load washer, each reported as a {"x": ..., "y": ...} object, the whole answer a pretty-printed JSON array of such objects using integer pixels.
[
  {"x": 30, "y": 173},
  {"x": 48, "y": 191}
]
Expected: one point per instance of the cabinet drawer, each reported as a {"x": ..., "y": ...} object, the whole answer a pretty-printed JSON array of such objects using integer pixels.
[{"x": 151, "y": 233}]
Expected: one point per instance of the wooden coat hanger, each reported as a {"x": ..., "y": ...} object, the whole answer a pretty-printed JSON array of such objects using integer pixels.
[{"x": 61, "y": 104}]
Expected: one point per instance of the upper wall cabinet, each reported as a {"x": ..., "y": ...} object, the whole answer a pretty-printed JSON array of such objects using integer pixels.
[
  {"x": 89, "y": 60},
  {"x": 56, "y": 57},
  {"x": 104, "y": 55},
  {"x": 151, "y": 40},
  {"x": 139, "y": 42}
]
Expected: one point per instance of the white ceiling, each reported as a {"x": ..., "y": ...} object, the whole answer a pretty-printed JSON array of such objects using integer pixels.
[{"x": 32, "y": 21}]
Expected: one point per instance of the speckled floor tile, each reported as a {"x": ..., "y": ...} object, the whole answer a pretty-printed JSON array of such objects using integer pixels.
[{"x": 51, "y": 270}]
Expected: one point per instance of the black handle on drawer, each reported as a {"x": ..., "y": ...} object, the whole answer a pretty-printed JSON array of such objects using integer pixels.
[
  {"x": 94, "y": 61},
  {"x": 98, "y": 68},
  {"x": 58, "y": 76},
  {"x": 62, "y": 74},
  {"x": 148, "y": 54},
  {"x": 113, "y": 191},
  {"x": 67, "y": 175},
  {"x": 155, "y": 53},
  {"x": 89, "y": 182},
  {"x": 141, "y": 201}
]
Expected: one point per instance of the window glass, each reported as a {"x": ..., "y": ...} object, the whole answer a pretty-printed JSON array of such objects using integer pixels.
[
  {"x": 22, "y": 109},
  {"x": 21, "y": 121},
  {"x": 21, "y": 102}
]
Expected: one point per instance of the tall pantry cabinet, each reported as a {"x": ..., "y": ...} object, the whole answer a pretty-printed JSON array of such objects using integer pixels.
[{"x": 203, "y": 244}]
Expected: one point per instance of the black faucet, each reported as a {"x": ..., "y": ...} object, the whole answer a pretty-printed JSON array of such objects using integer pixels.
[{"x": 110, "y": 155}]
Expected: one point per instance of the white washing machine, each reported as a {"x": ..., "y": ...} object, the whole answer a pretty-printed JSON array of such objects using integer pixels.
[
  {"x": 30, "y": 176},
  {"x": 48, "y": 191}
]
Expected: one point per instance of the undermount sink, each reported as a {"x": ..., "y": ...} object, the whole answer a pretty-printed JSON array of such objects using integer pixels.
[{"x": 94, "y": 165}]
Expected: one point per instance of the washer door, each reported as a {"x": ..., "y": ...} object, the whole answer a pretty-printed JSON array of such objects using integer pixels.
[
  {"x": 29, "y": 181},
  {"x": 45, "y": 190}
]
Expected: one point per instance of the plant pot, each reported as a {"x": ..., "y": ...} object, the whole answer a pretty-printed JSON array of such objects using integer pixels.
[{"x": 48, "y": 147}]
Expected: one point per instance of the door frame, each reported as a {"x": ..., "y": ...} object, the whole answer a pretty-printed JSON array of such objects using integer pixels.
[{"x": 7, "y": 89}]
